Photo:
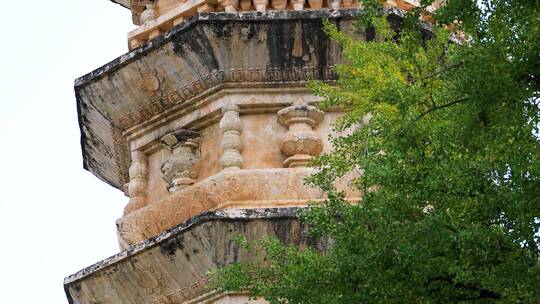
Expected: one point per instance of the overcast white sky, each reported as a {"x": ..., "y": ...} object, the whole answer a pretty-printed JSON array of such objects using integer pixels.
[{"x": 55, "y": 217}]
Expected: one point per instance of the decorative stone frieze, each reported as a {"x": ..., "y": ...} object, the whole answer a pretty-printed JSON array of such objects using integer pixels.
[
  {"x": 300, "y": 143},
  {"x": 231, "y": 140},
  {"x": 177, "y": 170},
  {"x": 138, "y": 182},
  {"x": 248, "y": 188}
]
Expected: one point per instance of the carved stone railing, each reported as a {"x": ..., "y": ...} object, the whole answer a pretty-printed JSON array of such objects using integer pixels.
[{"x": 152, "y": 24}]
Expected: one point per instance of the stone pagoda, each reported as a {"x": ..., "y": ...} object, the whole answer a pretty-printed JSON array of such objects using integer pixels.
[{"x": 207, "y": 125}]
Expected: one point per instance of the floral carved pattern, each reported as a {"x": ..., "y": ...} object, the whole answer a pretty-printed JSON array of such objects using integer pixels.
[{"x": 210, "y": 194}]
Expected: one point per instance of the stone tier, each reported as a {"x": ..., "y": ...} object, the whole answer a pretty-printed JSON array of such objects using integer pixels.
[
  {"x": 190, "y": 74},
  {"x": 155, "y": 17},
  {"x": 185, "y": 125},
  {"x": 247, "y": 188},
  {"x": 171, "y": 267}
]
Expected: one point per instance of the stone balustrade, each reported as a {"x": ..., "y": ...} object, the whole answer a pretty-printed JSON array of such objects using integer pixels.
[{"x": 154, "y": 21}]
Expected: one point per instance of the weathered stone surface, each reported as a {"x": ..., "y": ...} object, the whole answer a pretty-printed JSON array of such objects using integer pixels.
[
  {"x": 196, "y": 125},
  {"x": 171, "y": 267},
  {"x": 301, "y": 142},
  {"x": 174, "y": 71},
  {"x": 227, "y": 189}
]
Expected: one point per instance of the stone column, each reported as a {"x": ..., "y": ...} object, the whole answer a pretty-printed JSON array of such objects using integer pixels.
[
  {"x": 300, "y": 143},
  {"x": 177, "y": 170},
  {"x": 333, "y": 4},
  {"x": 231, "y": 140},
  {"x": 260, "y": 5},
  {"x": 138, "y": 181},
  {"x": 230, "y": 6},
  {"x": 279, "y": 4},
  {"x": 315, "y": 4},
  {"x": 298, "y": 5}
]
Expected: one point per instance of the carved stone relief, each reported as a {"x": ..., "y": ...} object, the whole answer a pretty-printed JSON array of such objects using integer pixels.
[
  {"x": 300, "y": 143},
  {"x": 177, "y": 170},
  {"x": 227, "y": 189}
]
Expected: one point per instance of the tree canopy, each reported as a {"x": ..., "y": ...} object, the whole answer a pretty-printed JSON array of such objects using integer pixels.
[{"x": 445, "y": 130}]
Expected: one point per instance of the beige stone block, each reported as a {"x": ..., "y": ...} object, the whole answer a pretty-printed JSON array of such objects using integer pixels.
[
  {"x": 153, "y": 34},
  {"x": 260, "y": 5}
]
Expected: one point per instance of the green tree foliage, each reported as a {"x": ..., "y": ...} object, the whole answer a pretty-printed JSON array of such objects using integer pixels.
[{"x": 445, "y": 131}]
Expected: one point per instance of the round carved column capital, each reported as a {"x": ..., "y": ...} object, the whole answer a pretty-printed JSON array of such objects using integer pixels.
[
  {"x": 231, "y": 119},
  {"x": 173, "y": 139},
  {"x": 300, "y": 142},
  {"x": 148, "y": 14},
  {"x": 300, "y": 113},
  {"x": 306, "y": 142}
]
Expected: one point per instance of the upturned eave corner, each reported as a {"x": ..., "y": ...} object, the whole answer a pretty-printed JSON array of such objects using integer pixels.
[
  {"x": 175, "y": 248},
  {"x": 109, "y": 99},
  {"x": 124, "y": 3}
]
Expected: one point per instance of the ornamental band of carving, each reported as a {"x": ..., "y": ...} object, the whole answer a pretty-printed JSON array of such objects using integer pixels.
[
  {"x": 163, "y": 101},
  {"x": 248, "y": 185}
]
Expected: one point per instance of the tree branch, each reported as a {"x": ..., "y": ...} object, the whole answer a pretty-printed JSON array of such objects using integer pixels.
[
  {"x": 441, "y": 107},
  {"x": 442, "y": 71},
  {"x": 482, "y": 292}
]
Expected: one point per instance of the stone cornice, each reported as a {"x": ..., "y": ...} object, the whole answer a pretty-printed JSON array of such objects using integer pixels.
[
  {"x": 139, "y": 258},
  {"x": 192, "y": 60},
  {"x": 205, "y": 18},
  {"x": 124, "y": 3}
]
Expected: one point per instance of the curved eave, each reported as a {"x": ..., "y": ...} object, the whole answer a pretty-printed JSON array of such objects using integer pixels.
[
  {"x": 108, "y": 96},
  {"x": 188, "y": 251},
  {"x": 124, "y": 3}
]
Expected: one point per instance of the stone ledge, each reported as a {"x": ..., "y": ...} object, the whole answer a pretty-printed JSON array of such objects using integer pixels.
[
  {"x": 219, "y": 17},
  {"x": 144, "y": 272},
  {"x": 248, "y": 188},
  {"x": 188, "y": 61}
]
